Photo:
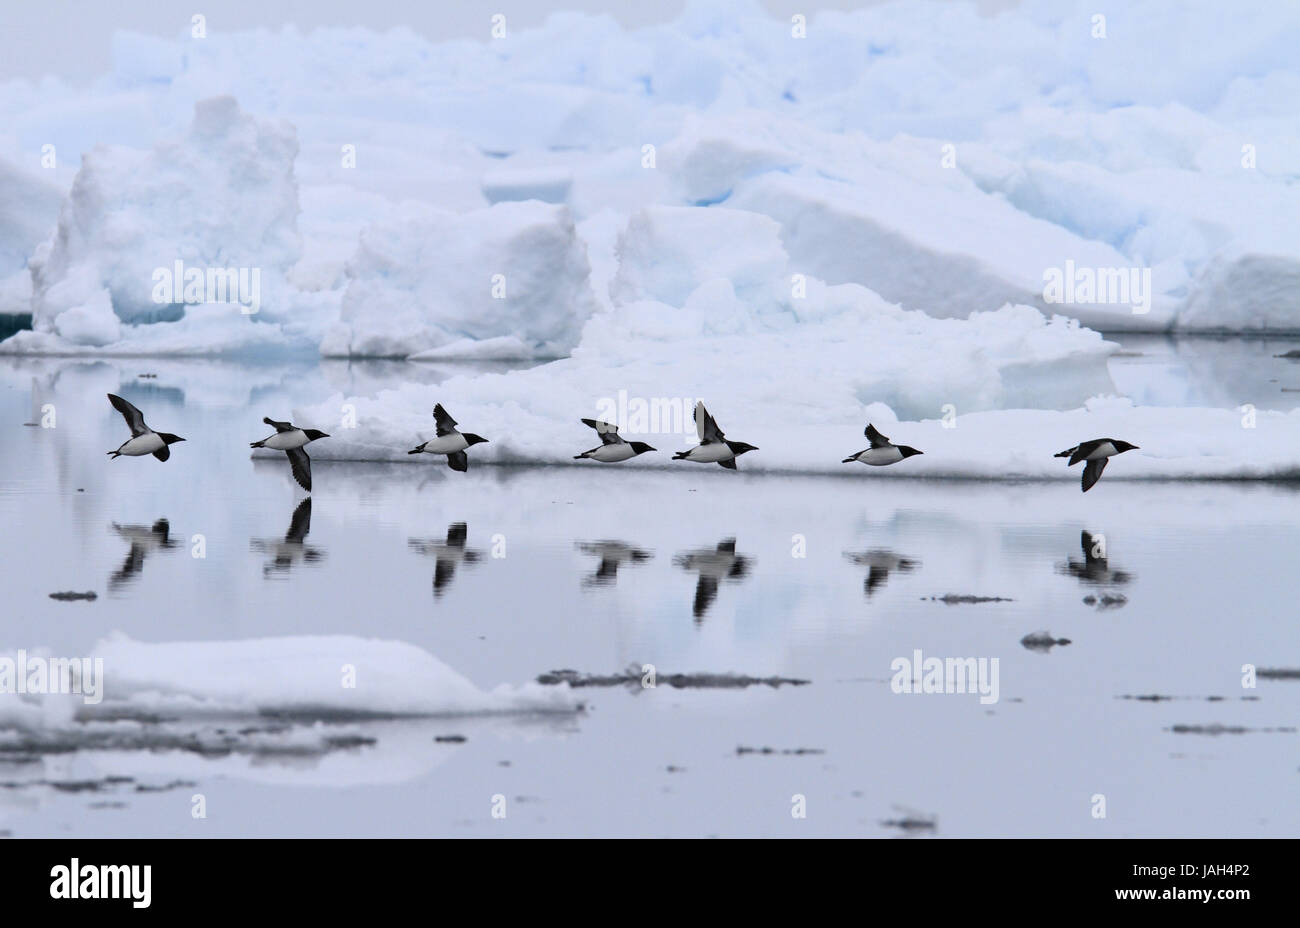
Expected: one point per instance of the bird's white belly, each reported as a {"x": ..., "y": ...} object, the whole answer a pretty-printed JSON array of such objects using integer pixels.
[
  {"x": 1104, "y": 450},
  {"x": 142, "y": 444},
  {"x": 609, "y": 454},
  {"x": 710, "y": 454},
  {"x": 446, "y": 444},
  {"x": 879, "y": 457},
  {"x": 286, "y": 441}
]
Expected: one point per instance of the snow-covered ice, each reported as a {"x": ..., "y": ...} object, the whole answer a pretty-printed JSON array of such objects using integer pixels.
[{"x": 794, "y": 228}]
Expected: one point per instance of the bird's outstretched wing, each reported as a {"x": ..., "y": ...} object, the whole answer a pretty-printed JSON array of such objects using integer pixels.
[
  {"x": 877, "y": 440},
  {"x": 705, "y": 426},
  {"x": 278, "y": 426},
  {"x": 458, "y": 460},
  {"x": 446, "y": 424},
  {"x": 1092, "y": 473},
  {"x": 163, "y": 453},
  {"x": 608, "y": 433},
  {"x": 301, "y": 465},
  {"x": 134, "y": 418}
]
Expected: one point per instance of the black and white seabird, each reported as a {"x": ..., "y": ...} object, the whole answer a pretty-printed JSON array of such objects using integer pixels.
[
  {"x": 291, "y": 440},
  {"x": 1095, "y": 452},
  {"x": 882, "y": 451},
  {"x": 143, "y": 440},
  {"x": 449, "y": 441},
  {"x": 714, "y": 448},
  {"x": 613, "y": 448}
]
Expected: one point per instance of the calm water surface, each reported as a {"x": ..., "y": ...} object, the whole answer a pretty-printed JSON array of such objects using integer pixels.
[{"x": 604, "y": 569}]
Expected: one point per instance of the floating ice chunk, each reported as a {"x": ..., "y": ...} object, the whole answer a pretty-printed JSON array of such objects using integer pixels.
[{"x": 316, "y": 676}]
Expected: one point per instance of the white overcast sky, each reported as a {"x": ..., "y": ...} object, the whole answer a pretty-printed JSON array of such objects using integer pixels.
[{"x": 70, "y": 38}]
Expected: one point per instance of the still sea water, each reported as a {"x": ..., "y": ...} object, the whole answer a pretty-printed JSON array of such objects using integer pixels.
[{"x": 606, "y": 569}]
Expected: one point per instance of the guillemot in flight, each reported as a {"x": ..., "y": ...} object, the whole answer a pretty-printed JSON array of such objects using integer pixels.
[
  {"x": 1095, "y": 452},
  {"x": 612, "y": 448},
  {"x": 449, "y": 441},
  {"x": 714, "y": 448},
  {"x": 143, "y": 440},
  {"x": 291, "y": 440},
  {"x": 882, "y": 451}
]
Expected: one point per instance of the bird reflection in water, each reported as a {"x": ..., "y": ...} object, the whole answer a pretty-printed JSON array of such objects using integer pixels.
[
  {"x": 1095, "y": 571},
  {"x": 449, "y": 554},
  {"x": 144, "y": 539},
  {"x": 613, "y": 555},
  {"x": 879, "y": 563},
  {"x": 294, "y": 548},
  {"x": 713, "y": 566}
]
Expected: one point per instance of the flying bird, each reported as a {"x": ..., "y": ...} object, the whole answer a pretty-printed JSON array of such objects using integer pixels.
[
  {"x": 882, "y": 451},
  {"x": 143, "y": 440},
  {"x": 1095, "y": 453},
  {"x": 449, "y": 441},
  {"x": 714, "y": 447},
  {"x": 291, "y": 440},
  {"x": 612, "y": 448}
]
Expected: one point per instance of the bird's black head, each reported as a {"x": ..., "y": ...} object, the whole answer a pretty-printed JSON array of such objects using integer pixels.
[
  {"x": 641, "y": 447},
  {"x": 739, "y": 447},
  {"x": 1122, "y": 446},
  {"x": 169, "y": 438},
  {"x": 471, "y": 438},
  {"x": 313, "y": 434},
  {"x": 908, "y": 451}
]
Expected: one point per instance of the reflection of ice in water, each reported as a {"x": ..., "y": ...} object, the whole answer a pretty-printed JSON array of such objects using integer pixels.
[{"x": 38, "y": 404}]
